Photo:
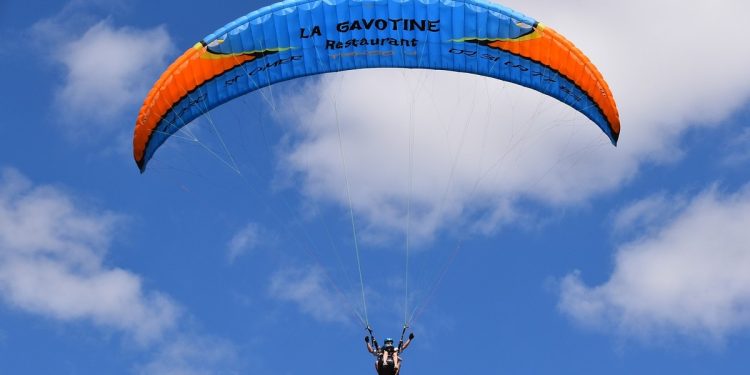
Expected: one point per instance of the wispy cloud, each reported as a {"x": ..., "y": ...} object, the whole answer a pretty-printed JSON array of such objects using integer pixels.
[
  {"x": 738, "y": 150},
  {"x": 481, "y": 146},
  {"x": 52, "y": 264},
  {"x": 648, "y": 213},
  {"x": 193, "y": 355},
  {"x": 306, "y": 287},
  {"x": 689, "y": 277},
  {"x": 246, "y": 239}
]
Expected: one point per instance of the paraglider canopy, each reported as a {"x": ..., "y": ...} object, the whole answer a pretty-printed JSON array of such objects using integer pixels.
[{"x": 297, "y": 38}]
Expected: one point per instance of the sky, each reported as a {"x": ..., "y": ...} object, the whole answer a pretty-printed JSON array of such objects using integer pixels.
[{"x": 500, "y": 224}]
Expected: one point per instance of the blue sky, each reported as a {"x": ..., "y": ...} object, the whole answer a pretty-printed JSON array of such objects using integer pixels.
[{"x": 234, "y": 252}]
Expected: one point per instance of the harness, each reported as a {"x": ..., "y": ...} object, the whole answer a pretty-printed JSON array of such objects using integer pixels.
[{"x": 389, "y": 367}]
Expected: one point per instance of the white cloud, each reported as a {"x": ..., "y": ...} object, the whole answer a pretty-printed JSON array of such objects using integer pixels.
[
  {"x": 462, "y": 160},
  {"x": 51, "y": 264},
  {"x": 481, "y": 145},
  {"x": 690, "y": 276},
  {"x": 306, "y": 287},
  {"x": 109, "y": 70},
  {"x": 246, "y": 239}
]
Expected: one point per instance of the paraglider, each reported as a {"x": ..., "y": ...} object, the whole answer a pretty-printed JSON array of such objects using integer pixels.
[
  {"x": 387, "y": 358},
  {"x": 298, "y": 38}
]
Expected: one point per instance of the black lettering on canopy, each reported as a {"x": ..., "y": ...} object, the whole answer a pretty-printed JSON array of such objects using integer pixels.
[{"x": 395, "y": 24}]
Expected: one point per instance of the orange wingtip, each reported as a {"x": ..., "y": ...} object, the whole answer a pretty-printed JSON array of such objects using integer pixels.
[
  {"x": 191, "y": 70},
  {"x": 548, "y": 47}
]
